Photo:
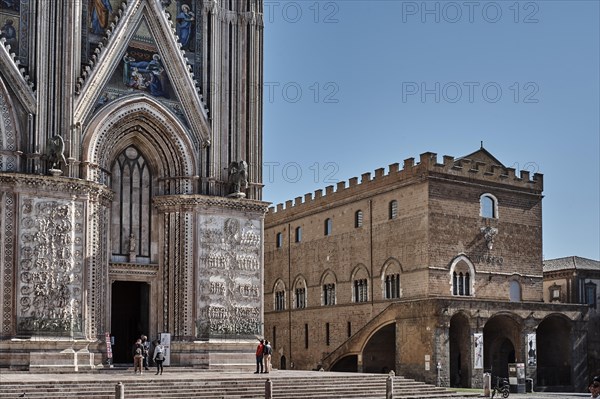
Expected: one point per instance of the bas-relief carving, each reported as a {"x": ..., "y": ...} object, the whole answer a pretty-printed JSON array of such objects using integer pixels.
[
  {"x": 229, "y": 277},
  {"x": 50, "y": 267}
]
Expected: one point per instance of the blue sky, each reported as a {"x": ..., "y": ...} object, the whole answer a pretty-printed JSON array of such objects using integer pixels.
[{"x": 352, "y": 86}]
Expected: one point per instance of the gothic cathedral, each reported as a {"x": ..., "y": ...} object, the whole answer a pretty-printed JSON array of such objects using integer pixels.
[{"x": 130, "y": 181}]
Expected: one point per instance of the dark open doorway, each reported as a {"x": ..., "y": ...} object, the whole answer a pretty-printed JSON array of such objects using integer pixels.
[{"x": 129, "y": 320}]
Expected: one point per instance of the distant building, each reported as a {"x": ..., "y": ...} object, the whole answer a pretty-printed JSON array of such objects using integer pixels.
[
  {"x": 433, "y": 270},
  {"x": 576, "y": 280}
]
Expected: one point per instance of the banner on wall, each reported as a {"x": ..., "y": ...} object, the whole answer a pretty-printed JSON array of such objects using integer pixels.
[
  {"x": 478, "y": 350},
  {"x": 165, "y": 340},
  {"x": 531, "y": 350}
]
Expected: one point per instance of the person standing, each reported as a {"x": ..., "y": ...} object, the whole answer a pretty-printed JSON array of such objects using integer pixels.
[
  {"x": 594, "y": 387},
  {"x": 138, "y": 356},
  {"x": 259, "y": 357},
  {"x": 159, "y": 356},
  {"x": 145, "y": 351},
  {"x": 268, "y": 350}
]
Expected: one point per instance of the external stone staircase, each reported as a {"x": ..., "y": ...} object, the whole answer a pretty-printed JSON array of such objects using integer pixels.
[{"x": 207, "y": 385}]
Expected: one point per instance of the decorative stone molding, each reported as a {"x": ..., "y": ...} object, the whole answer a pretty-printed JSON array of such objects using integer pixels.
[
  {"x": 170, "y": 202},
  {"x": 130, "y": 269},
  {"x": 62, "y": 185}
]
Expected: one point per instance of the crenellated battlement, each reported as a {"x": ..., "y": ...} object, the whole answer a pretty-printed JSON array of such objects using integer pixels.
[{"x": 479, "y": 166}]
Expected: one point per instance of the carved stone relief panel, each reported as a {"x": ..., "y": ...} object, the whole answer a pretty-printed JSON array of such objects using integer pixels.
[
  {"x": 50, "y": 267},
  {"x": 229, "y": 275},
  {"x": 7, "y": 231}
]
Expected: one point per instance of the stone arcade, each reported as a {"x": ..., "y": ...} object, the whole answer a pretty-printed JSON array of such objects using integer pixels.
[{"x": 120, "y": 211}]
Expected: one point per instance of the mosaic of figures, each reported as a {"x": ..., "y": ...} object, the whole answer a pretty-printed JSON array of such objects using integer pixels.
[
  {"x": 14, "y": 25},
  {"x": 99, "y": 13},
  {"x": 141, "y": 68},
  {"x": 50, "y": 267},
  {"x": 229, "y": 276},
  {"x": 8, "y": 30}
]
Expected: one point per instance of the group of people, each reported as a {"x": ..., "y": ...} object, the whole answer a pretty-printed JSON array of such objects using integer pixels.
[
  {"x": 263, "y": 357},
  {"x": 141, "y": 355}
]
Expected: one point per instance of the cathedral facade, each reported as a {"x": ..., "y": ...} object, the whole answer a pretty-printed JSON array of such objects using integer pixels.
[
  {"x": 130, "y": 181},
  {"x": 433, "y": 269}
]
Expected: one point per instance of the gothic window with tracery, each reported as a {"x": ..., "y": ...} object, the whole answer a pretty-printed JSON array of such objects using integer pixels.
[
  {"x": 328, "y": 294},
  {"x": 360, "y": 290},
  {"x": 131, "y": 207}
]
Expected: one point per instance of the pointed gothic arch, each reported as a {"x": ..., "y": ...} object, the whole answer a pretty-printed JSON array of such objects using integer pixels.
[
  {"x": 9, "y": 132},
  {"x": 144, "y": 123},
  {"x": 390, "y": 279},
  {"x": 462, "y": 271},
  {"x": 299, "y": 292},
  {"x": 95, "y": 78}
]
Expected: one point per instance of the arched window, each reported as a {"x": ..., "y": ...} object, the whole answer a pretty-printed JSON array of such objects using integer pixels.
[
  {"x": 279, "y": 240},
  {"x": 391, "y": 280},
  {"x": 392, "y": 286},
  {"x": 279, "y": 296},
  {"x": 131, "y": 224},
  {"x": 590, "y": 294},
  {"x": 300, "y": 294},
  {"x": 461, "y": 277},
  {"x": 298, "y": 234},
  {"x": 461, "y": 284},
  {"x": 328, "y": 225},
  {"x": 280, "y": 300},
  {"x": 329, "y": 294},
  {"x": 360, "y": 290},
  {"x": 488, "y": 206},
  {"x": 393, "y": 211},
  {"x": 514, "y": 291},
  {"x": 358, "y": 219}
]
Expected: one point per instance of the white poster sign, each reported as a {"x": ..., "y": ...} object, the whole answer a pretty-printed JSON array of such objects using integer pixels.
[
  {"x": 531, "y": 350},
  {"x": 478, "y": 350},
  {"x": 165, "y": 340}
]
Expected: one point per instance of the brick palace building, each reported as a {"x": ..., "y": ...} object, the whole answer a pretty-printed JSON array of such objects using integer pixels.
[{"x": 432, "y": 269}]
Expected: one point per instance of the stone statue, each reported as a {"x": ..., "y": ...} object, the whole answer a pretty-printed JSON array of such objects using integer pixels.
[
  {"x": 238, "y": 178},
  {"x": 489, "y": 233},
  {"x": 56, "y": 151},
  {"x": 131, "y": 243}
]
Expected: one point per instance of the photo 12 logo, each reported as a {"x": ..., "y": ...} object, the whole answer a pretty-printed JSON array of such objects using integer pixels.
[
  {"x": 293, "y": 92},
  {"x": 293, "y": 172},
  {"x": 325, "y": 12},
  {"x": 470, "y": 92},
  {"x": 453, "y": 12}
]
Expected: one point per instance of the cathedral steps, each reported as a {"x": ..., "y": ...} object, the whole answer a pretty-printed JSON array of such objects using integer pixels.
[{"x": 205, "y": 385}]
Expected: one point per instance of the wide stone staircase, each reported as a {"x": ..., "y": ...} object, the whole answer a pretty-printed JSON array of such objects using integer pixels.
[{"x": 290, "y": 384}]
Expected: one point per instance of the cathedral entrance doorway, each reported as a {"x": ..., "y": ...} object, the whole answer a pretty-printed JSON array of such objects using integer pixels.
[{"x": 130, "y": 309}]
